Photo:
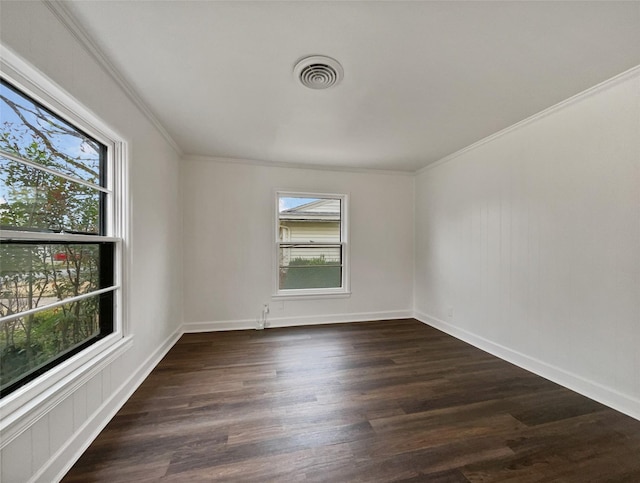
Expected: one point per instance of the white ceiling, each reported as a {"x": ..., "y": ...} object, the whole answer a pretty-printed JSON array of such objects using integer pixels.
[{"x": 421, "y": 79}]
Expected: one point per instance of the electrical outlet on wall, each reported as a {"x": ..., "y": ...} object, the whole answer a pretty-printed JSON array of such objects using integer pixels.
[{"x": 450, "y": 312}]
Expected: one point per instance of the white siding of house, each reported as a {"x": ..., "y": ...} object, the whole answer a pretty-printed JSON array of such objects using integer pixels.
[
  {"x": 323, "y": 206},
  {"x": 316, "y": 232},
  {"x": 312, "y": 232}
]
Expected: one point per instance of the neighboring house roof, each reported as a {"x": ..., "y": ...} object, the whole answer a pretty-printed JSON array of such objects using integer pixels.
[{"x": 318, "y": 210}]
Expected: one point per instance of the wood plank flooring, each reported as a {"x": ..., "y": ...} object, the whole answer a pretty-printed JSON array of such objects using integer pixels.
[{"x": 374, "y": 402}]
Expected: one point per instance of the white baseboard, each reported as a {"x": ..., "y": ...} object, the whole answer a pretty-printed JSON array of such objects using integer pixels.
[
  {"x": 593, "y": 390},
  {"x": 62, "y": 461},
  {"x": 192, "y": 327}
]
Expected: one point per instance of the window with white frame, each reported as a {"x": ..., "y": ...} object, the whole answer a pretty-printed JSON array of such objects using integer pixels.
[
  {"x": 311, "y": 244},
  {"x": 59, "y": 247}
]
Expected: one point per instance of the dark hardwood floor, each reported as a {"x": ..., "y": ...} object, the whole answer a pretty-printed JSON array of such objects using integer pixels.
[{"x": 375, "y": 401}]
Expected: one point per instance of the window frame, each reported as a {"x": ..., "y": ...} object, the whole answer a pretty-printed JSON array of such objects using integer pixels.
[
  {"x": 334, "y": 292},
  {"x": 29, "y": 401}
]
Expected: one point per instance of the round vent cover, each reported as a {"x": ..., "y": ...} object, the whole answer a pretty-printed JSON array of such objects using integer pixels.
[{"x": 318, "y": 72}]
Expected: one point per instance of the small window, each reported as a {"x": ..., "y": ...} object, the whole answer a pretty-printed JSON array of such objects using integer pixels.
[
  {"x": 311, "y": 244},
  {"x": 57, "y": 250}
]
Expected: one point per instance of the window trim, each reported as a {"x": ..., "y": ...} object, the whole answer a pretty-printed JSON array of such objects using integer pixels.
[
  {"x": 312, "y": 293},
  {"x": 30, "y": 401}
]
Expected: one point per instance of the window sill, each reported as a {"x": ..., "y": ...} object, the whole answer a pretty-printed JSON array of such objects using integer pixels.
[
  {"x": 311, "y": 296},
  {"x": 22, "y": 408}
]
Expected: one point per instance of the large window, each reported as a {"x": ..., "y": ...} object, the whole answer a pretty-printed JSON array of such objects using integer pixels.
[
  {"x": 58, "y": 251},
  {"x": 311, "y": 244}
]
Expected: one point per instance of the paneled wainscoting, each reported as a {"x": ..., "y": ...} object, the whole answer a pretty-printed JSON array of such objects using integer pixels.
[{"x": 369, "y": 401}]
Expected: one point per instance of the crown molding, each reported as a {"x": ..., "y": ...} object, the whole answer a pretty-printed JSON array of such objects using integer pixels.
[
  {"x": 544, "y": 113},
  {"x": 65, "y": 16},
  {"x": 274, "y": 164}
]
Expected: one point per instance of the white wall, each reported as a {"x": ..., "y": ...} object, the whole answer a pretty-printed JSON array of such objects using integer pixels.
[
  {"x": 45, "y": 448},
  {"x": 228, "y": 244},
  {"x": 533, "y": 238}
]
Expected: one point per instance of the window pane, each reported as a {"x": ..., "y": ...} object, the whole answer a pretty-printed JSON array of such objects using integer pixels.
[
  {"x": 34, "y": 199},
  {"x": 32, "y": 132},
  {"x": 309, "y": 220},
  {"x": 41, "y": 271},
  {"x": 31, "y": 342},
  {"x": 310, "y": 267},
  {"x": 310, "y": 277},
  {"x": 33, "y": 276}
]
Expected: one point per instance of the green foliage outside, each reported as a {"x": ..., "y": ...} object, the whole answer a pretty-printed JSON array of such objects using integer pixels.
[
  {"x": 35, "y": 275},
  {"x": 34, "y": 340},
  {"x": 311, "y": 273}
]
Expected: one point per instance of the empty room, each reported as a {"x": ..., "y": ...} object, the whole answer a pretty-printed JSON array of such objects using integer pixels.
[{"x": 336, "y": 241}]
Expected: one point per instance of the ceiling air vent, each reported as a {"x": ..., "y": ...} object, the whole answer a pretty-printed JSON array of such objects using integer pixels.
[{"x": 318, "y": 72}]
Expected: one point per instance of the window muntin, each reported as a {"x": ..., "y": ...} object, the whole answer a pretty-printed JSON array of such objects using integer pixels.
[
  {"x": 57, "y": 278},
  {"x": 311, "y": 244}
]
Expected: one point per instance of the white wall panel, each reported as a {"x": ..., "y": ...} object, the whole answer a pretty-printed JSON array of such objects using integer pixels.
[
  {"x": 16, "y": 459},
  {"x": 106, "y": 383},
  {"x": 40, "y": 448},
  {"x": 60, "y": 424},
  {"x": 117, "y": 373},
  {"x": 532, "y": 238},
  {"x": 79, "y": 407},
  {"x": 94, "y": 393}
]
